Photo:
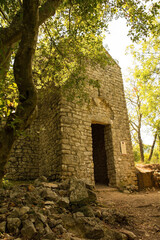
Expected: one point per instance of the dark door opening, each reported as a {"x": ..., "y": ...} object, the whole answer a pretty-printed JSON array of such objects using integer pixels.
[{"x": 99, "y": 154}]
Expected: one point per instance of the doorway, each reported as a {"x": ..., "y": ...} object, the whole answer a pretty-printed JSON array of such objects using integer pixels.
[{"x": 99, "y": 154}]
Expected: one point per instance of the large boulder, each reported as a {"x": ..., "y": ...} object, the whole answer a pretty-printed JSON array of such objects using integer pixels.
[
  {"x": 90, "y": 228},
  {"x": 79, "y": 193}
]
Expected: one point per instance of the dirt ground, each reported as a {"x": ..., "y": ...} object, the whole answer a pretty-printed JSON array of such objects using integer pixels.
[{"x": 141, "y": 209}]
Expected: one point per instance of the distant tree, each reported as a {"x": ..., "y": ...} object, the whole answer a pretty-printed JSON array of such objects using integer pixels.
[
  {"x": 135, "y": 105},
  {"x": 67, "y": 23},
  {"x": 146, "y": 76}
]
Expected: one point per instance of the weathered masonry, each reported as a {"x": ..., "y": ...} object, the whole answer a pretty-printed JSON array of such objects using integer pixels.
[{"x": 89, "y": 141}]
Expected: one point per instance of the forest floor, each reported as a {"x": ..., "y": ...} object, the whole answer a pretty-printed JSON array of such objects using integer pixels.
[{"x": 141, "y": 209}]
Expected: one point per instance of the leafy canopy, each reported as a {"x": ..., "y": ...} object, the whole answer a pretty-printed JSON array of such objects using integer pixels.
[
  {"x": 147, "y": 74},
  {"x": 70, "y": 38}
]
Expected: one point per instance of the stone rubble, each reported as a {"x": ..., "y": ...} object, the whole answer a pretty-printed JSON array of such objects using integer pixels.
[{"x": 55, "y": 211}]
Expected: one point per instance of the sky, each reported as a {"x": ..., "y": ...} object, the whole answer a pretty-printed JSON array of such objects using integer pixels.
[{"x": 116, "y": 43}]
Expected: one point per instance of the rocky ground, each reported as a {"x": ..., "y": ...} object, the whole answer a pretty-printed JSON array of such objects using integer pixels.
[
  {"x": 70, "y": 211},
  {"x": 140, "y": 209}
]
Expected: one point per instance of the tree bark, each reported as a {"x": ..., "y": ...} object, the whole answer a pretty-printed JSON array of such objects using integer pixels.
[
  {"x": 141, "y": 147},
  {"x": 152, "y": 147},
  {"x": 23, "y": 77},
  {"x": 5, "y": 61},
  {"x": 139, "y": 137}
]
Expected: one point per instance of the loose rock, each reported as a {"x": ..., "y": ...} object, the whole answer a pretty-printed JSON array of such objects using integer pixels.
[
  {"x": 28, "y": 231},
  {"x": 13, "y": 224}
]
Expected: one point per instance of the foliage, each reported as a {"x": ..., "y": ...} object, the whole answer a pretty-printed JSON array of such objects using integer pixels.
[
  {"x": 8, "y": 10},
  {"x": 69, "y": 39},
  {"x": 144, "y": 84},
  {"x": 6, "y": 184},
  {"x": 8, "y": 95},
  {"x": 137, "y": 157},
  {"x": 155, "y": 157},
  {"x": 147, "y": 73},
  {"x": 68, "y": 48}
]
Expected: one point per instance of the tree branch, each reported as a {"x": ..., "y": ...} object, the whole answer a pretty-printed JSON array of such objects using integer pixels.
[
  {"x": 131, "y": 101},
  {"x": 13, "y": 33},
  {"x": 4, "y": 15},
  {"x": 23, "y": 63},
  {"x": 134, "y": 125}
]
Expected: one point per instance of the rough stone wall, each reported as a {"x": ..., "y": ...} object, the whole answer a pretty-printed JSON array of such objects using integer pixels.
[
  {"x": 38, "y": 152},
  {"x": 107, "y": 107},
  {"x": 112, "y": 91},
  {"x": 24, "y": 161},
  {"x": 50, "y": 134},
  {"x": 60, "y": 145},
  {"x": 76, "y": 142}
]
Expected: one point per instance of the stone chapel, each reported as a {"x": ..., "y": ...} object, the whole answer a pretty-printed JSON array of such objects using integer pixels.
[{"x": 91, "y": 141}]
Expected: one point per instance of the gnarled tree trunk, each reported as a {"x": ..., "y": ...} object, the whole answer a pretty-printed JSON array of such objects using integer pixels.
[
  {"x": 23, "y": 77},
  {"x": 25, "y": 31}
]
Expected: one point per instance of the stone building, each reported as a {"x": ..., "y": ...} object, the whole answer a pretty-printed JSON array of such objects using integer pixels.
[{"x": 90, "y": 141}]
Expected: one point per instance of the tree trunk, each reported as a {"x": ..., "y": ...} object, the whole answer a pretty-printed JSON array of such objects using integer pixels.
[
  {"x": 9, "y": 36},
  {"x": 20, "y": 120},
  {"x": 141, "y": 147},
  {"x": 5, "y": 58},
  {"x": 152, "y": 147}
]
